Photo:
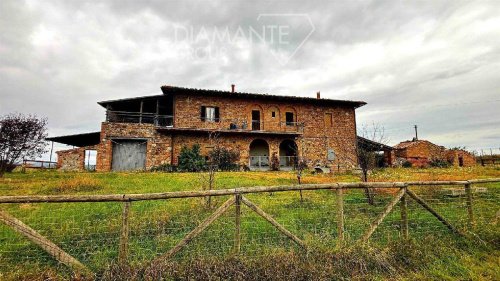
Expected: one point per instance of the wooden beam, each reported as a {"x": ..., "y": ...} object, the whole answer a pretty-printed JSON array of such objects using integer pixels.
[
  {"x": 270, "y": 219},
  {"x": 199, "y": 229},
  {"x": 140, "y": 113},
  {"x": 381, "y": 217},
  {"x": 47, "y": 245},
  {"x": 432, "y": 211},
  {"x": 340, "y": 214},
  {"x": 237, "y": 222},
  {"x": 124, "y": 234},
  {"x": 187, "y": 194}
]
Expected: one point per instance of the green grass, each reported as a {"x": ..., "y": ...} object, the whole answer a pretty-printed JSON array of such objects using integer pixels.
[{"x": 90, "y": 231}]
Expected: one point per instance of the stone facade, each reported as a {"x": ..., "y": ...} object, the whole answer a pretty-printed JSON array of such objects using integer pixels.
[
  {"x": 324, "y": 133},
  {"x": 158, "y": 148},
  {"x": 72, "y": 159},
  {"x": 460, "y": 158},
  {"x": 325, "y": 127}
]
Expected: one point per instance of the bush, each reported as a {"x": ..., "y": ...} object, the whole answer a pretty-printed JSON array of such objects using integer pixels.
[
  {"x": 407, "y": 164},
  {"x": 439, "y": 163},
  {"x": 224, "y": 158},
  {"x": 190, "y": 159}
]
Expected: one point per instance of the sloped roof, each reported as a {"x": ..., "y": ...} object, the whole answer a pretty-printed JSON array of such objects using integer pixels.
[
  {"x": 373, "y": 145},
  {"x": 410, "y": 143},
  {"x": 78, "y": 140},
  {"x": 172, "y": 90}
]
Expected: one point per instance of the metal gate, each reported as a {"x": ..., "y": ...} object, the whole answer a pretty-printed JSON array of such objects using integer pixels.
[{"x": 129, "y": 155}]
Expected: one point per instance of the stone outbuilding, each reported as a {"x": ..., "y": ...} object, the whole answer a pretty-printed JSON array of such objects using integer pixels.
[
  {"x": 460, "y": 158},
  {"x": 420, "y": 153}
]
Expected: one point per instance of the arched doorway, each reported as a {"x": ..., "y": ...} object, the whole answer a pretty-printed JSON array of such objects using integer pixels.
[
  {"x": 288, "y": 153},
  {"x": 259, "y": 154}
]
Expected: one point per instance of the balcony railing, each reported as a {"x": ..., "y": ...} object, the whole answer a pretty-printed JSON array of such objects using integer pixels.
[
  {"x": 195, "y": 122},
  {"x": 261, "y": 162},
  {"x": 141, "y": 118},
  {"x": 288, "y": 161}
]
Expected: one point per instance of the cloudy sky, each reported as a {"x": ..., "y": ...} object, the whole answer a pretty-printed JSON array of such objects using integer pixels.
[{"x": 431, "y": 63}]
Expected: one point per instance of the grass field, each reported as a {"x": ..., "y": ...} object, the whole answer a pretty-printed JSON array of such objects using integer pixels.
[{"x": 90, "y": 231}]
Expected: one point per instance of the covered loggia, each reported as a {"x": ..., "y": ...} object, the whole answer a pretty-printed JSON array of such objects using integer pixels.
[
  {"x": 288, "y": 153},
  {"x": 259, "y": 154}
]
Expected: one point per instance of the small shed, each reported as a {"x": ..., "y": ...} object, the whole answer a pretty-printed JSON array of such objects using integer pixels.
[{"x": 460, "y": 158}]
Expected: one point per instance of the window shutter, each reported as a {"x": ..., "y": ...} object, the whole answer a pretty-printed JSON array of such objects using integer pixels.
[
  {"x": 202, "y": 113},
  {"x": 216, "y": 114}
]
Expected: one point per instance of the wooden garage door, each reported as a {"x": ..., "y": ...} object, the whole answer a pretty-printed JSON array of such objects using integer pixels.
[{"x": 129, "y": 155}]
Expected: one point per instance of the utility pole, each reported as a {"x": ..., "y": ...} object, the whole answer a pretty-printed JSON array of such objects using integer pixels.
[
  {"x": 51, "y": 150},
  {"x": 416, "y": 132}
]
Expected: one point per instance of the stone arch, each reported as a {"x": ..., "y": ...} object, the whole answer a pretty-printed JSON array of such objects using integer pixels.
[
  {"x": 290, "y": 109},
  {"x": 259, "y": 153},
  {"x": 288, "y": 152},
  {"x": 255, "y": 124}
]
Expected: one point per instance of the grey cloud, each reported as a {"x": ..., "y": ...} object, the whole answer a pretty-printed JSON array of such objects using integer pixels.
[{"x": 58, "y": 58}]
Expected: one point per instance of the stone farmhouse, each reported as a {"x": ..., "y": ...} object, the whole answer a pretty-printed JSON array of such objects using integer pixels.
[
  {"x": 144, "y": 132},
  {"x": 422, "y": 152}
]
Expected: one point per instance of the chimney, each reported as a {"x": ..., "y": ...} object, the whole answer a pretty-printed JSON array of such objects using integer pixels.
[
  {"x": 232, "y": 88},
  {"x": 318, "y": 95}
]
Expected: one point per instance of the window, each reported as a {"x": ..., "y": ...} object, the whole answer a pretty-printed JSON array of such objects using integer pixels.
[
  {"x": 209, "y": 114},
  {"x": 328, "y": 120},
  {"x": 273, "y": 114},
  {"x": 289, "y": 118}
]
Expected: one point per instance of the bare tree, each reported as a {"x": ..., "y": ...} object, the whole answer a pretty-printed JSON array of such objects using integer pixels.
[
  {"x": 219, "y": 158},
  {"x": 207, "y": 177},
  {"x": 21, "y": 136},
  {"x": 301, "y": 163},
  {"x": 369, "y": 140}
]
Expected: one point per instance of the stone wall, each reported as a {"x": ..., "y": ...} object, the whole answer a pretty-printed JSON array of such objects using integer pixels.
[
  {"x": 72, "y": 159},
  {"x": 453, "y": 156},
  {"x": 319, "y": 134},
  {"x": 158, "y": 148},
  {"x": 325, "y": 127}
]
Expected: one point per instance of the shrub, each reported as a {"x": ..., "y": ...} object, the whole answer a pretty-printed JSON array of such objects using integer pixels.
[
  {"x": 190, "y": 159},
  {"x": 224, "y": 158},
  {"x": 275, "y": 162},
  {"x": 407, "y": 164},
  {"x": 439, "y": 163}
]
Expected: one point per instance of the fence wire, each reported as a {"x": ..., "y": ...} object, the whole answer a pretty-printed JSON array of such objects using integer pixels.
[{"x": 90, "y": 232}]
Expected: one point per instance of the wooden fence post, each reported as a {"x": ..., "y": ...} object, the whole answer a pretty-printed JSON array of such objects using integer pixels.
[
  {"x": 123, "y": 249},
  {"x": 237, "y": 233},
  {"x": 340, "y": 214},
  {"x": 470, "y": 212},
  {"x": 404, "y": 216}
]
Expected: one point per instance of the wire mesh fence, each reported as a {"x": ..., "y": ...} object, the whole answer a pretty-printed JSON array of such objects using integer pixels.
[{"x": 247, "y": 222}]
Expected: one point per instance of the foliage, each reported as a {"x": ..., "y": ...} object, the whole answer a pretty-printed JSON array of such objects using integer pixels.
[
  {"x": 407, "y": 164},
  {"x": 190, "y": 159},
  {"x": 439, "y": 163},
  {"x": 275, "y": 162},
  {"x": 21, "y": 136},
  {"x": 224, "y": 159}
]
